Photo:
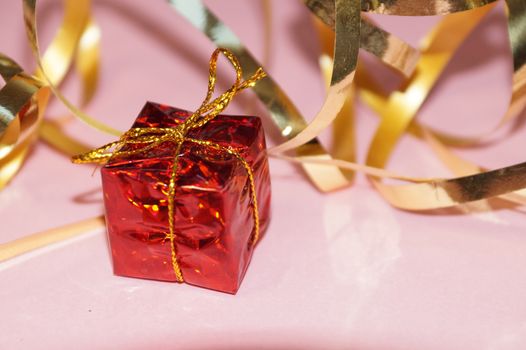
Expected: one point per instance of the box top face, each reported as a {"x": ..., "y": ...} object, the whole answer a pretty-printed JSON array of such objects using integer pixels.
[{"x": 243, "y": 133}]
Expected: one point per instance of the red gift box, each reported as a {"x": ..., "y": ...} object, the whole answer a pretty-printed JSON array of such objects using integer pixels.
[{"x": 213, "y": 223}]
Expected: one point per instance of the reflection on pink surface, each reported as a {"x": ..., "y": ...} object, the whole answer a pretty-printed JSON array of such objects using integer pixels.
[{"x": 338, "y": 271}]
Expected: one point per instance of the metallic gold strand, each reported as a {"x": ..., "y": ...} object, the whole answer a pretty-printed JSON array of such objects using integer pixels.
[
  {"x": 343, "y": 131},
  {"x": 35, "y": 241},
  {"x": 388, "y": 48},
  {"x": 24, "y": 98},
  {"x": 171, "y": 215},
  {"x": 347, "y": 39},
  {"x": 505, "y": 183},
  {"x": 47, "y": 71}
]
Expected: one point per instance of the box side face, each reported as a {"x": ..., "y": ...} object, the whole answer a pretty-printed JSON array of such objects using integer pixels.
[
  {"x": 263, "y": 191},
  {"x": 214, "y": 233},
  {"x": 260, "y": 167},
  {"x": 226, "y": 256},
  {"x": 258, "y": 161},
  {"x": 204, "y": 249},
  {"x": 205, "y": 198},
  {"x": 246, "y": 135}
]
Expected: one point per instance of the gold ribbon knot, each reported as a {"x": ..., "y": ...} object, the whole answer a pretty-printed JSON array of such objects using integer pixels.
[{"x": 146, "y": 139}]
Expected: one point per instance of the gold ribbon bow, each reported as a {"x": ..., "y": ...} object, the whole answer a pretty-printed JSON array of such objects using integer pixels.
[{"x": 149, "y": 138}]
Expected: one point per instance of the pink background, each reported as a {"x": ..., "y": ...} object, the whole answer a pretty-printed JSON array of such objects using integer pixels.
[{"x": 341, "y": 270}]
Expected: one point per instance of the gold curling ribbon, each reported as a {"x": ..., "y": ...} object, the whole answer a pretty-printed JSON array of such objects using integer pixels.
[
  {"x": 65, "y": 50},
  {"x": 432, "y": 194},
  {"x": 402, "y": 107},
  {"x": 22, "y": 102},
  {"x": 283, "y": 112},
  {"x": 326, "y": 172},
  {"x": 25, "y": 96},
  {"x": 347, "y": 24},
  {"x": 388, "y": 48},
  {"x": 320, "y": 167},
  {"x": 147, "y": 138},
  {"x": 28, "y": 243},
  {"x": 463, "y": 189}
]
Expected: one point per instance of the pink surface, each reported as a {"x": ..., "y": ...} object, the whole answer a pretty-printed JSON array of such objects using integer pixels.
[{"x": 343, "y": 270}]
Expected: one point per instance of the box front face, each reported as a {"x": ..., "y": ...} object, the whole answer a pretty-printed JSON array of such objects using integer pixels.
[
  {"x": 136, "y": 218},
  {"x": 211, "y": 241},
  {"x": 213, "y": 219},
  {"x": 213, "y": 224}
]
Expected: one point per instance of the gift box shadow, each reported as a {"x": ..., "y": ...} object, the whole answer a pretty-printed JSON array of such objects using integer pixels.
[{"x": 89, "y": 197}]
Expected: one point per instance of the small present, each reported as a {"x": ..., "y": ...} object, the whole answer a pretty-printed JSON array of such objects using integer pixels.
[
  {"x": 213, "y": 218},
  {"x": 187, "y": 195}
]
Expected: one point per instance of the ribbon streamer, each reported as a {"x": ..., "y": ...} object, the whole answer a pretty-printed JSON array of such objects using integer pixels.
[
  {"x": 390, "y": 49},
  {"x": 22, "y": 103},
  {"x": 285, "y": 115},
  {"x": 78, "y": 8},
  {"x": 24, "y": 97},
  {"x": 401, "y": 109},
  {"x": 349, "y": 36},
  {"x": 436, "y": 193}
]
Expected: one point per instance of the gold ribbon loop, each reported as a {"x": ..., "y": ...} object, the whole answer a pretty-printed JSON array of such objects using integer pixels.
[
  {"x": 149, "y": 138},
  {"x": 24, "y": 97},
  {"x": 390, "y": 49},
  {"x": 77, "y": 23},
  {"x": 22, "y": 102}
]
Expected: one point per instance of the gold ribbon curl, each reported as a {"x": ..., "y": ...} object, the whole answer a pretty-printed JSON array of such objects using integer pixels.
[
  {"x": 326, "y": 172},
  {"x": 22, "y": 102},
  {"x": 148, "y": 138},
  {"x": 25, "y": 96},
  {"x": 400, "y": 109},
  {"x": 388, "y": 48},
  {"x": 437, "y": 52},
  {"x": 77, "y": 20},
  {"x": 283, "y": 112}
]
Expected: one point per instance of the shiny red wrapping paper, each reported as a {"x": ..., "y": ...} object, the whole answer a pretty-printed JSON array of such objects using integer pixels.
[{"x": 213, "y": 218}]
